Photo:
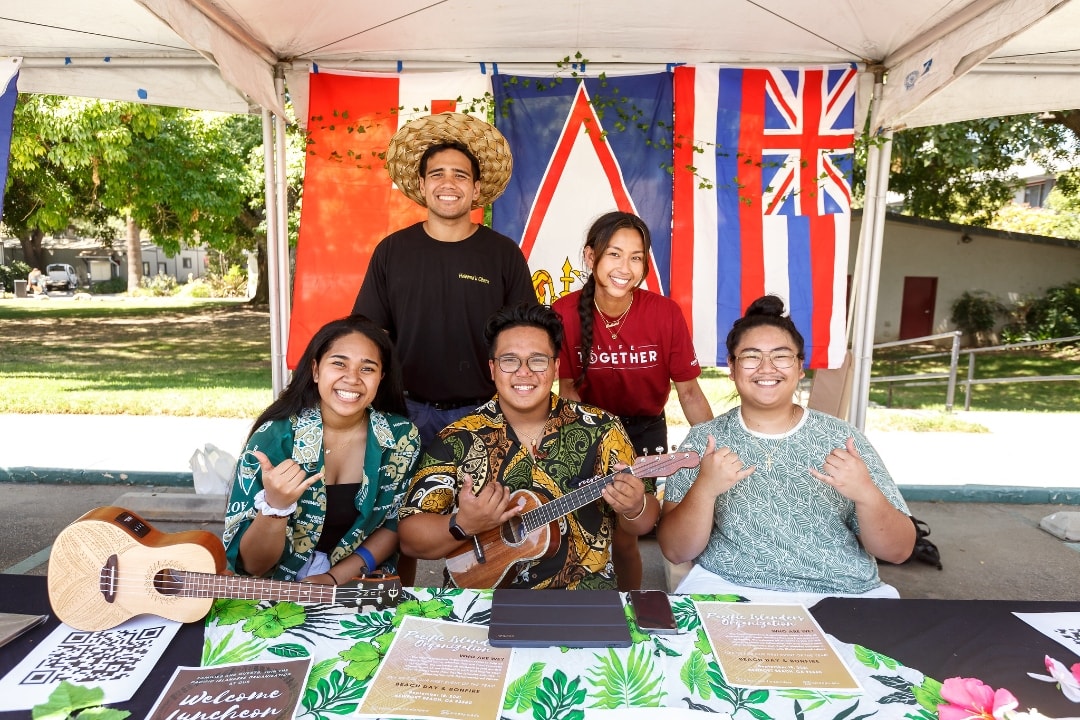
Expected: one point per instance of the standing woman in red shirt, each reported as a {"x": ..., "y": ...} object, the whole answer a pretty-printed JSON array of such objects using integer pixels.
[{"x": 623, "y": 347}]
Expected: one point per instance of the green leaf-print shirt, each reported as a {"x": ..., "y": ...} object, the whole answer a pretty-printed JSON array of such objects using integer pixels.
[
  {"x": 393, "y": 448},
  {"x": 781, "y": 528}
]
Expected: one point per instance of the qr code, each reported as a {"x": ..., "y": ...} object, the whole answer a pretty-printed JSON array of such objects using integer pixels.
[
  {"x": 1070, "y": 634},
  {"x": 84, "y": 657}
]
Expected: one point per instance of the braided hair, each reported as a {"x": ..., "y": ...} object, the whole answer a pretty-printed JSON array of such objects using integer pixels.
[{"x": 598, "y": 238}]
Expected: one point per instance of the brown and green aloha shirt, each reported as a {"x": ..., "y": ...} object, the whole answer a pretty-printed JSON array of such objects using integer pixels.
[{"x": 579, "y": 442}]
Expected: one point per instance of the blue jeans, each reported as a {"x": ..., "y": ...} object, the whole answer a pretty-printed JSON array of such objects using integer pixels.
[{"x": 429, "y": 420}]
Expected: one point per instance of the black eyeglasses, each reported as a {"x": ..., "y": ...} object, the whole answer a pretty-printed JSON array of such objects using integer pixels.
[
  {"x": 781, "y": 359},
  {"x": 536, "y": 363}
]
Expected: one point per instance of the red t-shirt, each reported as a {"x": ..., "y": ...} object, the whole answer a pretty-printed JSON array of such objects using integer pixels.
[{"x": 631, "y": 374}]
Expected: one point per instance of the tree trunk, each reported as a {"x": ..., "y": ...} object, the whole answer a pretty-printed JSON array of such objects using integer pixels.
[
  {"x": 262, "y": 289},
  {"x": 134, "y": 253},
  {"x": 1070, "y": 119},
  {"x": 33, "y": 254}
]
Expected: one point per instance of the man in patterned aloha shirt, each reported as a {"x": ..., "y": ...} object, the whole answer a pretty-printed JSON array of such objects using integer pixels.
[{"x": 526, "y": 457}]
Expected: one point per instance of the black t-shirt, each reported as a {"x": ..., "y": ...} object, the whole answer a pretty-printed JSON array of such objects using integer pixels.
[{"x": 434, "y": 298}]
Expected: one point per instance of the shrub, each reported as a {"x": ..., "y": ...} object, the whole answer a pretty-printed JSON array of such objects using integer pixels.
[
  {"x": 232, "y": 283},
  {"x": 976, "y": 314},
  {"x": 1054, "y": 315},
  {"x": 115, "y": 286},
  {"x": 160, "y": 285},
  {"x": 196, "y": 289},
  {"x": 17, "y": 270}
]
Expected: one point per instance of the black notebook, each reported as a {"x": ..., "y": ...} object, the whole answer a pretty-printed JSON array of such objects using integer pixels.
[{"x": 570, "y": 618}]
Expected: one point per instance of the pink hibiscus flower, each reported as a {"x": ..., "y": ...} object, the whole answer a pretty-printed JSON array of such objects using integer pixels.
[{"x": 970, "y": 699}]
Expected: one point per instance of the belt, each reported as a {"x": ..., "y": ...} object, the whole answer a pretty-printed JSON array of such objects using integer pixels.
[{"x": 448, "y": 404}]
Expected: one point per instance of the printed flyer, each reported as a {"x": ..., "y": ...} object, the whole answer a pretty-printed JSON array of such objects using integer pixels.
[
  {"x": 760, "y": 645},
  {"x": 235, "y": 691},
  {"x": 437, "y": 669}
]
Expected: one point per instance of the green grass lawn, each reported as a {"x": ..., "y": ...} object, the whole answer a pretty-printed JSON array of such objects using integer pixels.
[
  {"x": 139, "y": 357},
  {"x": 149, "y": 356},
  {"x": 1018, "y": 397}
]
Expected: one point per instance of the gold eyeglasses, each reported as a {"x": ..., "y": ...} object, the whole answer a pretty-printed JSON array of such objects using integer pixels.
[
  {"x": 536, "y": 363},
  {"x": 781, "y": 359}
]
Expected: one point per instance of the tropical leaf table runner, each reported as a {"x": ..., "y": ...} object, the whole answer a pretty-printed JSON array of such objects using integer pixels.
[{"x": 548, "y": 683}]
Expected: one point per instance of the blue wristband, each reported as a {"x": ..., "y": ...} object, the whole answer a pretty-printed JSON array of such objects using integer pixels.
[{"x": 367, "y": 557}]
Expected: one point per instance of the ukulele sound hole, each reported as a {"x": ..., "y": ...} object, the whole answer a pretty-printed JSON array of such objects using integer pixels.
[
  {"x": 168, "y": 583},
  {"x": 512, "y": 531}
]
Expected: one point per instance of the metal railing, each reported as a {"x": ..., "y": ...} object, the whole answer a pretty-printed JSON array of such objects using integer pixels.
[
  {"x": 950, "y": 377},
  {"x": 926, "y": 378}
]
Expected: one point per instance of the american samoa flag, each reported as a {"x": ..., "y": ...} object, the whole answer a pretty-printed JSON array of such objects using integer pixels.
[
  {"x": 762, "y": 200},
  {"x": 9, "y": 76},
  {"x": 583, "y": 147}
]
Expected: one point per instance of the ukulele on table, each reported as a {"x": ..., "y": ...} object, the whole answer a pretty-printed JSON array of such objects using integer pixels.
[
  {"x": 534, "y": 534},
  {"x": 111, "y": 565}
]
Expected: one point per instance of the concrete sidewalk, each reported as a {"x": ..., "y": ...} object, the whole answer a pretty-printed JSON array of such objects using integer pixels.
[{"x": 1025, "y": 458}]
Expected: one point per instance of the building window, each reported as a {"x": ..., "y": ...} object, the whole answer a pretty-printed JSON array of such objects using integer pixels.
[
  {"x": 1035, "y": 194},
  {"x": 146, "y": 268},
  {"x": 161, "y": 268},
  {"x": 186, "y": 263}
]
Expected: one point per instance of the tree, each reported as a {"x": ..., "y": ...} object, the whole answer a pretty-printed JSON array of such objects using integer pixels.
[
  {"x": 115, "y": 168},
  {"x": 44, "y": 190},
  {"x": 1059, "y": 218},
  {"x": 966, "y": 171}
]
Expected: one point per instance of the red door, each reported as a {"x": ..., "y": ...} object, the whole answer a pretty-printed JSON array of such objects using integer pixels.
[{"x": 917, "y": 307}]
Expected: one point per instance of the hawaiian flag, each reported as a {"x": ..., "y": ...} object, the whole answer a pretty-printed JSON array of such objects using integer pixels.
[
  {"x": 583, "y": 147},
  {"x": 766, "y": 207},
  {"x": 350, "y": 203}
]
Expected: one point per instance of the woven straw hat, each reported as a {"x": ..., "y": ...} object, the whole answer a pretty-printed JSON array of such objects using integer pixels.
[{"x": 486, "y": 143}]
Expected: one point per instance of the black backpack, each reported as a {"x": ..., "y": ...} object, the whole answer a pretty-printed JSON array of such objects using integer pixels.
[{"x": 925, "y": 551}]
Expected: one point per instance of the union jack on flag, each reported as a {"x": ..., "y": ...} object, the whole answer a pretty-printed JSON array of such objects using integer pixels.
[
  {"x": 807, "y": 141},
  {"x": 776, "y": 216}
]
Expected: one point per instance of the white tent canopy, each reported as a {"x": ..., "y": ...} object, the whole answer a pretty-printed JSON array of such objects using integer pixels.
[
  {"x": 221, "y": 54},
  {"x": 945, "y": 61}
]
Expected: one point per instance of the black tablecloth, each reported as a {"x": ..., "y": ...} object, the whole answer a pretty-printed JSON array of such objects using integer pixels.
[
  {"x": 941, "y": 638},
  {"x": 959, "y": 638},
  {"x": 29, "y": 594}
]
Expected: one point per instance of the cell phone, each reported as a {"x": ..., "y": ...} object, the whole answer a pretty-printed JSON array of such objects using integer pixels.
[{"x": 652, "y": 611}]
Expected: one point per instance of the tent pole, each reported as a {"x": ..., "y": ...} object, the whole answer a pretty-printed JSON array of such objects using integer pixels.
[
  {"x": 272, "y": 260},
  {"x": 281, "y": 209},
  {"x": 873, "y": 274},
  {"x": 868, "y": 262}
]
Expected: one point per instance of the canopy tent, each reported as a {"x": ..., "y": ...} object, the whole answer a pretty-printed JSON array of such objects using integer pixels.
[{"x": 945, "y": 62}]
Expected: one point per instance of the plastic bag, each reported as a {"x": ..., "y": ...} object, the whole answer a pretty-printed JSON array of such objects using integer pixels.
[{"x": 212, "y": 470}]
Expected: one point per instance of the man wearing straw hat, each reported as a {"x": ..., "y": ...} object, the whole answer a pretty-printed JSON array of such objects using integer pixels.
[{"x": 434, "y": 284}]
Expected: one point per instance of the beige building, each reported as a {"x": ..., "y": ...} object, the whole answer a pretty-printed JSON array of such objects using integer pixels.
[{"x": 927, "y": 264}]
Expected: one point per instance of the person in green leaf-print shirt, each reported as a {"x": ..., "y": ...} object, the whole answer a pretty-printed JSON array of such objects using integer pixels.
[
  {"x": 785, "y": 499},
  {"x": 318, "y": 487}
]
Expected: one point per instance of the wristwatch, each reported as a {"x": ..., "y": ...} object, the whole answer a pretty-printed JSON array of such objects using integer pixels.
[{"x": 456, "y": 530}]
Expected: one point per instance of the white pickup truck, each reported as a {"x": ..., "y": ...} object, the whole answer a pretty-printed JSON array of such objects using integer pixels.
[{"x": 60, "y": 276}]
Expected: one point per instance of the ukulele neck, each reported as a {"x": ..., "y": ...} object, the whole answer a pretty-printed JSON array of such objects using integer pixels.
[{"x": 237, "y": 587}]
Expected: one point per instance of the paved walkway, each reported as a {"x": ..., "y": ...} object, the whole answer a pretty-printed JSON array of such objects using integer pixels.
[{"x": 1026, "y": 457}]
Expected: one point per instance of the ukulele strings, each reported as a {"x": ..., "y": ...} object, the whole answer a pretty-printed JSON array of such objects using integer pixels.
[
  {"x": 240, "y": 585},
  {"x": 646, "y": 465}
]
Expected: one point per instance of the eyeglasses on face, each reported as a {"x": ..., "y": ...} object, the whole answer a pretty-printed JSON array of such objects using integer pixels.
[
  {"x": 780, "y": 359},
  {"x": 536, "y": 363}
]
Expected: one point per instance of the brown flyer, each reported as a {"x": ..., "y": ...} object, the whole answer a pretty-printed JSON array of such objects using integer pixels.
[
  {"x": 241, "y": 690},
  {"x": 437, "y": 669},
  {"x": 761, "y": 645}
]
